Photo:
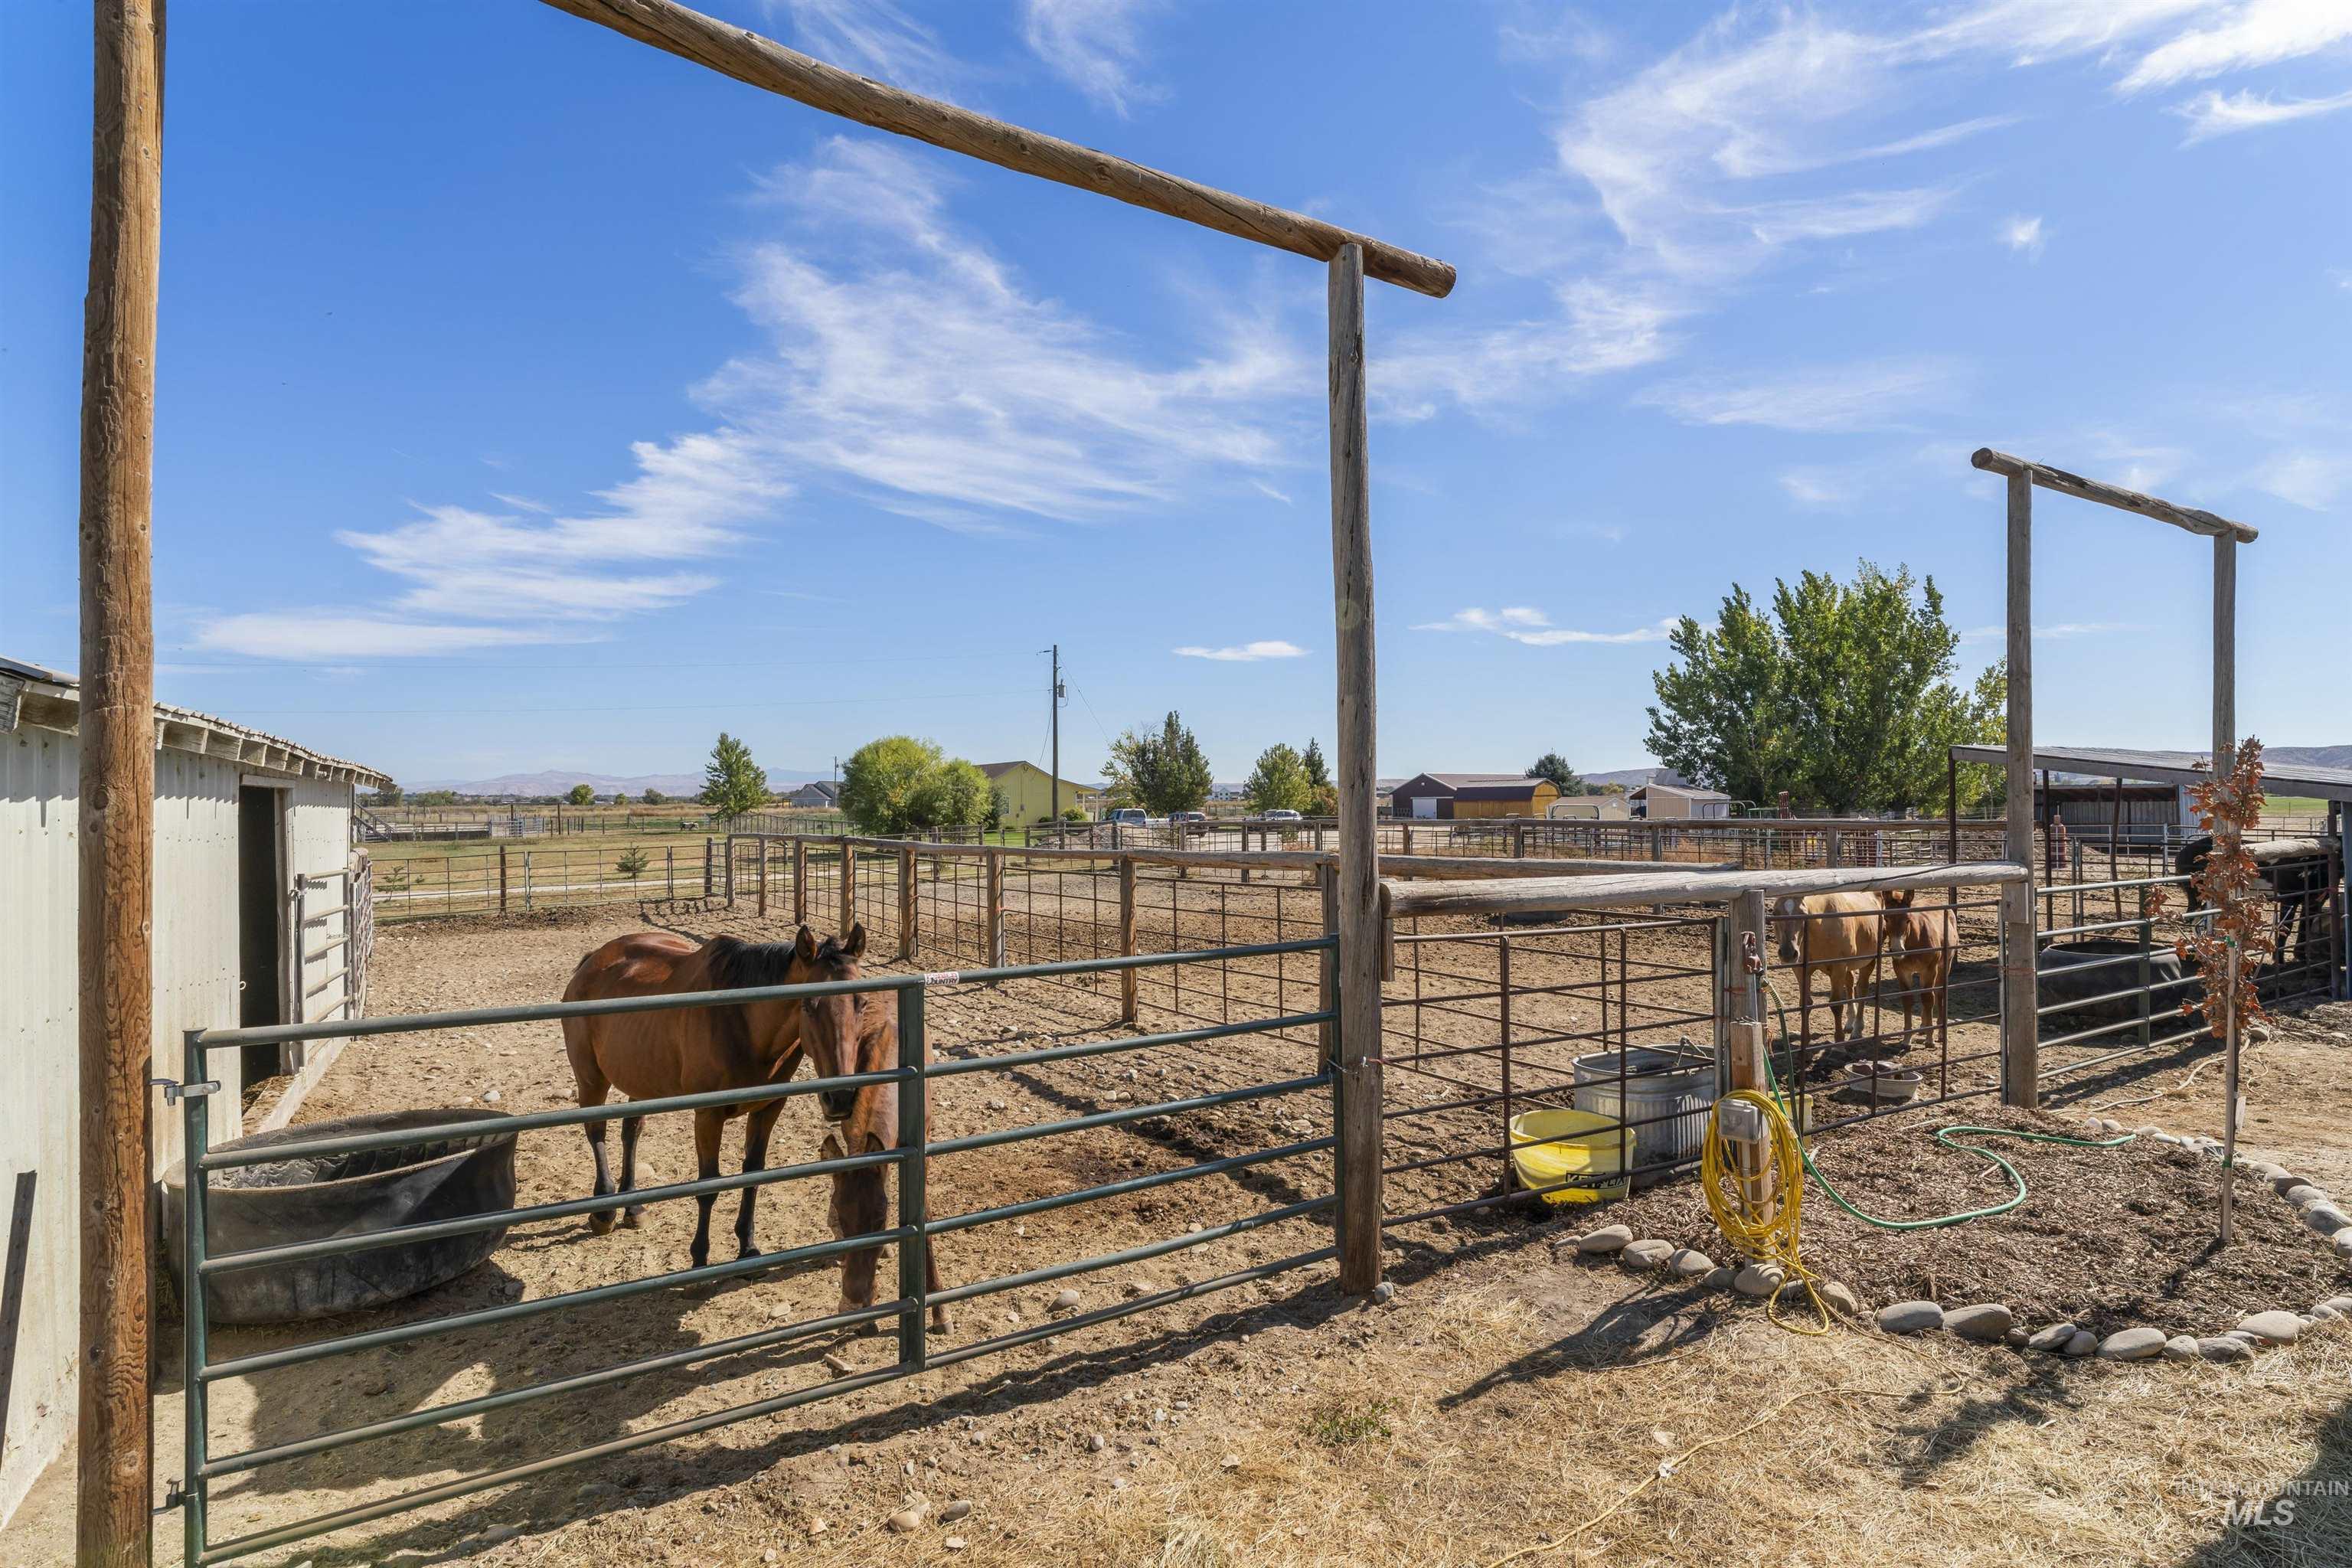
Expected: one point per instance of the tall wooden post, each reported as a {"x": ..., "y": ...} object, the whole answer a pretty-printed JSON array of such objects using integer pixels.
[
  {"x": 909, "y": 889},
  {"x": 763, "y": 878},
  {"x": 1128, "y": 978},
  {"x": 848, "y": 885},
  {"x": 2225, "y": 650},
  {"x": 502, "y": 879},
  {"x": 994, "y": 934},
  {"x": 800, "y": 881},
  {"x": 2021, "y": 1056},
  {"x": 116, "y": 1441},
  {"x": 1358, "y": 875}
]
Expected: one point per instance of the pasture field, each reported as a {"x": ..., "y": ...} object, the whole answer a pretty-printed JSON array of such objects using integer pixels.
[{"x": 1501, "y": 1399}]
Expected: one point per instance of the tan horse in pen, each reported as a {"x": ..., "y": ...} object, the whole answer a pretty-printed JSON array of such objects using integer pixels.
[
  {"x": 1838, "y": 934},
  {"x": 1921, "y": 945}
]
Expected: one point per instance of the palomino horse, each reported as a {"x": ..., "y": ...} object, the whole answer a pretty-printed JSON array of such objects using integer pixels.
[
  {"x": 1836, "y": 933},
  {"x": 1920, "y": 946},
  {"x": 689, "y": 1051},
  {"x": 848, "y": 1034}
]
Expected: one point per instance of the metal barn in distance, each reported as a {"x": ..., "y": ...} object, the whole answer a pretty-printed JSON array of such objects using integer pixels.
[
  {"x": 1445, "y": 797},
  {"x": 261, "y": 915}
]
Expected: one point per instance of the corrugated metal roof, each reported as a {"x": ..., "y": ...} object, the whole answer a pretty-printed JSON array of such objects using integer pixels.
[
  {"x": 57, "y": 700},
  {"x": 2168, "y": 767}
]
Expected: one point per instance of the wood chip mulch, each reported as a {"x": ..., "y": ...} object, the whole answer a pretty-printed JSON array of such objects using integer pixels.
[{"x": 2108, "y": 1239}]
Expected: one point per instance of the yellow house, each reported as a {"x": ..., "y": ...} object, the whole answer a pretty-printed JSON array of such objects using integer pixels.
[{"x": 1028, "y": 791}]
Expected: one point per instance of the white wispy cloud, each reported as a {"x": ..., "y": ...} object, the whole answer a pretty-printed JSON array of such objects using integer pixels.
[
  {"x": 1601, "y": 328},
  {"x": 872, "y": 38},
  {"x": 2244, "y": 35},
  {"x": 322, "y": 634},
  {"x": 2023, "y": 234},
  {"x": 2210, "y": 114},
  {"x": 2314, "y": 480},
  {"x": 1670, "y": 185},
  {"x": 1245, "y": 653},
  {"x": 902, "y": 361},
  {"x": 1522, "y": 623},
  {"x": 1876, "y": 394},
  {"x": 1094, "y": 45}
]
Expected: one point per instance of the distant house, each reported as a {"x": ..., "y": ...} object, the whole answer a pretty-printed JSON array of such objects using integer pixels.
[
  {"x": 1028, "y": 791},
  {"x": 1665, "y": 800},
  {"x": 1447, "y": 796},
  {"x": 822, "y": 794}
]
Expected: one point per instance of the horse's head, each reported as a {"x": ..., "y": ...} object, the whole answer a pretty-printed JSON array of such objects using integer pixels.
[
  {"x": 829, "y": 1029},
  {"x": 1789, "y": 915},
  {"x": 1895, "y": 929}
]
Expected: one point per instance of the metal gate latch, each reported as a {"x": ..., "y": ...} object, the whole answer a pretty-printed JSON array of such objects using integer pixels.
[{"x": 175, "y": 1090}]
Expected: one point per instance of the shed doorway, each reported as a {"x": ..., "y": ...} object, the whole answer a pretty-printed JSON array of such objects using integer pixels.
[{"x": 261, "y": 921}]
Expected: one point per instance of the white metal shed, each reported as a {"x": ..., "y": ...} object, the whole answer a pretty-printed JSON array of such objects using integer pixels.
[{"x": 261, "y": 915}]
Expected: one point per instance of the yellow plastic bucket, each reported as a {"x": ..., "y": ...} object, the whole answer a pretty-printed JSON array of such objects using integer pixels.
[{"x": 1577, "y": 1147}]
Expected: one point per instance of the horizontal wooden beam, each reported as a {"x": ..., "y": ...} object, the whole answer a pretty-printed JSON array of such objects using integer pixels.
[
  {"x": 1521, "y": 895},
  {"x": 1458, "y": 867},
  {"x": 2065, "y": 483},
  {"x": 761, "y": 62}
]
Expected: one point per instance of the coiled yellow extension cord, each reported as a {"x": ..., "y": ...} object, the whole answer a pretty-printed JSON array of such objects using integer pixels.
[{"x": 1760, "y": 1211}]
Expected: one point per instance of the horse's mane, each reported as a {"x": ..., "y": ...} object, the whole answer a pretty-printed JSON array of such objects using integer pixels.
[{"x": 736, "y": 964}]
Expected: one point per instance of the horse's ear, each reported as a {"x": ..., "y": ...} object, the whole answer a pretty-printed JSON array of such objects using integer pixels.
[
  {"x": 804, "y": 946},
  {"x": 854, "y": 944}
]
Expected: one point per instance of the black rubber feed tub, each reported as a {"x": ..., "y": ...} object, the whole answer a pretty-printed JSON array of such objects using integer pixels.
[
  {"x": 284, "y": 1201},
  {"x": 2070, "y": 975}
]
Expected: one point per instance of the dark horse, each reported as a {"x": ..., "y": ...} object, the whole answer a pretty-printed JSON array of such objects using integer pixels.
[
  {"x": 2296, "y": 871},
  {"x": 690, "y": 1051}
]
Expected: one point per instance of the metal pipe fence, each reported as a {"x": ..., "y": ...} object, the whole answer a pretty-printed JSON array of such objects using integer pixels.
[{"x": 910, "y": 1236}]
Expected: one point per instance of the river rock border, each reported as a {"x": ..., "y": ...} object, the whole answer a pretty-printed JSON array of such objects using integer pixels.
[{"x": 1990, "y": 1322}]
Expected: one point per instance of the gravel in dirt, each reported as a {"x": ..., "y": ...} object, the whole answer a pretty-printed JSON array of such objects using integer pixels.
[{"x": 2107, "y": 1238}]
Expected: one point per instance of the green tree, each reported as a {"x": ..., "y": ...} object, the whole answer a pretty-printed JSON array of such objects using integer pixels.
[
  {"x": 653, "y": 797},
  {"x": 620, "y": 798},
  {"x": 632, "y": 862},
  {"x": 582, "y": 796},
  {"x": 1279, "y": 782},
  {"x": 732, "y": 781},
  {"x": 1553, "y": 766},
  {"x": 899, "y": 782},
  {"x": 1840, "y": 694},
  {"x": 435, "y": 797},
  {"x": 389, "y": 795},
  {"x": 1161, "y": 772},
  {"x": 1319, "y": 772},
  {"x": 993, "y": 817}
]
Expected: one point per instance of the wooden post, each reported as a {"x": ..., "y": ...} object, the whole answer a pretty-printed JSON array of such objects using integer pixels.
[
  {"x": 115, "y": 1487},
  {"x": 1836, "y": 853},
  {"x": 908, "y": 890},
  {"x": 2021, "y": 1058},
  {"x": 995, "y": 931},
  {"x": 706, "y": 883},
  {"x": 848, "y": 885},
  {"x": 1358, "y": 1096},
  {"x": 1518, "y": 841},
  {"x": 763, "y": 878},
  {"x": 1327, "y": 972},
  {"x": 1128, "y": 978},
  {"x": 502, "y": 879},
  {"x": 1743, "y": 1004},
  {"x": 800, "y": 881}
]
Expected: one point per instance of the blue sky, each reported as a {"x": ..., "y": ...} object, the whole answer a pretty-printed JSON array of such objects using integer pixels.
[{"x": 528, "y": 399}]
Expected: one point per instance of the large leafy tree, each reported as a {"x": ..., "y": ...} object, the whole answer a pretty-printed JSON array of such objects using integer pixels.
[
  {"x": 582, "y": 796},
  {"x": 1567, "y": 780},
  {"x": 1841, "y": 694},
  {"x": 1161, "y": 773},
  {"x": 732, "y": 781},
  {"x": 1279, "y": 782},
  {"x": 899, "y": 782}
]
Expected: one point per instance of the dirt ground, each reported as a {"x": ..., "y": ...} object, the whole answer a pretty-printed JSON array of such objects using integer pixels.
[{"x": 1500, "y": 1400}]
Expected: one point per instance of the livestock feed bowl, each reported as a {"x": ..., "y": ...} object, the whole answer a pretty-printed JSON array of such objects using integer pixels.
[
  {"x": 280, "y": 1202},
  {"x": 1573, "y": 1146}
]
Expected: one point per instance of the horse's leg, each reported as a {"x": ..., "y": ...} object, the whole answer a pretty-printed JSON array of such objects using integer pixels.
[
  {"x": 635, "y": 1214},
  {"x": 931, "y": 1283},
  {"x": 709, "y": 1125},
  {"x": 756, "y": 1127},
  {"x": 1804, "y": 1013},
  {"x": 591, "y": 1087}
]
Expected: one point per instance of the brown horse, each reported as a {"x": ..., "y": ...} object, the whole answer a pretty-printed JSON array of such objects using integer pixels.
[
  {"x": 1836, "y": 933},
  {"x": 1920, "y": 946},
  {"x": 846, "y": 1034},
  {"x": 690, "y": 1051}
]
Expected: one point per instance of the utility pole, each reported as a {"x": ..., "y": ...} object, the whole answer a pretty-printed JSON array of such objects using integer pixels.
[{"x": 1053, "y": 712}]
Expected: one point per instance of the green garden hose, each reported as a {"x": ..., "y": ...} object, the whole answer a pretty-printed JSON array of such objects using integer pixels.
[{"x": 1944, "y": 1135}]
